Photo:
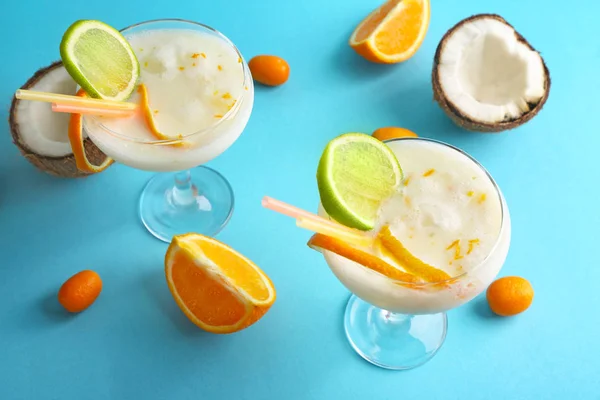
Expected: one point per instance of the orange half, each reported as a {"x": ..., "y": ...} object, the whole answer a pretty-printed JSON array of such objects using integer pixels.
[
  {"x": 217, "y": 288},
  {"x": 77, "y": 146},
  {"x": 393, "y": 32}
]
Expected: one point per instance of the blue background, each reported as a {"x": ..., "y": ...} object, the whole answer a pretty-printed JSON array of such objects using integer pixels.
[{"x": 134, "y": 343}]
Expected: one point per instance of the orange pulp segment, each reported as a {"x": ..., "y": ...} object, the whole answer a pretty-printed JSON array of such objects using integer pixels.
[
  {"x": 409, "y": 262},
  {"x": 78, "y": 147},
  {"x": 322, "y": 242},
  {"x": 393, "y": 32},
  {"x": 217, "y": 288}
]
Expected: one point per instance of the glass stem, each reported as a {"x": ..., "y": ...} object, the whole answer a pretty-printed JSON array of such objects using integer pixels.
[{"x": 184, "y": 193}]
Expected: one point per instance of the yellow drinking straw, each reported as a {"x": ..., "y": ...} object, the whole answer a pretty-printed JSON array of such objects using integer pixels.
[{"x": 65, "y": 99}]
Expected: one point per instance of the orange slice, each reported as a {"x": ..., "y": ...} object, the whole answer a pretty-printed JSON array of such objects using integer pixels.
[
  {"x": 149, "y": 117},
  {"x": 409, "y": 262},
  {"x": 322, "y": 242},
  {"x": 393, "y": 32},
  {"x": 76, "y": 140},
  {"x": 217, "y": 288}
]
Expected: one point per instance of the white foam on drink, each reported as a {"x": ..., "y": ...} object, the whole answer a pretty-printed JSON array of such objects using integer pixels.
[{"x": 447, "y": 198}]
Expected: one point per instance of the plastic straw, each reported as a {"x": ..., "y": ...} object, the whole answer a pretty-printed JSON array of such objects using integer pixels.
[
  {"x": 326, "y": 229},
  {"x": 65, "y": 99},
  {"x": 66, "y": 108},
  {"x": 295, "y": 212}
]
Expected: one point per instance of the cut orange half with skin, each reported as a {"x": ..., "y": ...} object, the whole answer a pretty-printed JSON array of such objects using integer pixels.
[
  {"x": 321, "y": 242},
  {"x": 77, "y": 146},
  {"x": 393, "y": 32},
  {"x": 217, "y": 288}
]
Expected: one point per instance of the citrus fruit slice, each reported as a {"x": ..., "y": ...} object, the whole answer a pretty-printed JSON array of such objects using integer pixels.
[
  {"x": 393, "y": 32},
  {"x": 77, "y": 145},
  {"x": 355, "y": 174},
  {"x": 411, "y": 264},
  {"x": 321, "y": 242},
  {"x": 217, "y": 288},
  {"x": 100, "y": 60},
  {"x": 392, "y": 132}
]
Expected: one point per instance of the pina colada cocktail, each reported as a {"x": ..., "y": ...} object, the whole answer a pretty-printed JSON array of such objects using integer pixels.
[
  {"x": 200, "y": 97},
  {"x": 448, "y": 227}
]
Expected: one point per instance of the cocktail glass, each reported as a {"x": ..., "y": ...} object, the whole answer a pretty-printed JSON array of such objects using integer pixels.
[
  {"x": 400, "y": 325},
  {"x": 185, "y": 196}
]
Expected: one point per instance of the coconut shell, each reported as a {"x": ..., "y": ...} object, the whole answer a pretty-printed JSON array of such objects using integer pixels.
[
  {"x": 459, "y": 117},
  {"x": 65, "y": 166}
]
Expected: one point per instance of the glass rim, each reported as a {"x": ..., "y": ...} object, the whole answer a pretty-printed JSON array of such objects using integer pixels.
[
  {"x": 499, "y": 237},
  {"x": 201, "y": 132}
]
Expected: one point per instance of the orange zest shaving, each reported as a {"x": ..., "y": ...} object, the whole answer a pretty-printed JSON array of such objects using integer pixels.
[
  {"x": 407, "y": 181},
  {"x": 203, "y": 55},
  {"x": 220, "y": 67},
  {"x": 472, "y": 244},
  {"x": 149, "y": 117},
  {"x": 470, "y": 193},
  {"x": 322, "y": 242},
  {"x": 226, "y": 96},
  {"x": 195, "y": 55},
  {"x": 429, "y": 172},
  {"x": 409, "y": 262},
  {"x": 456, "y": 246},
  {"x": 78, "y": 147},
  {"x": 482, "y": 198},
  {"x": 181, "y": 68}
]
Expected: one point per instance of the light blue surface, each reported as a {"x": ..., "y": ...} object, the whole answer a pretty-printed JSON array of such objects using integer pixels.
[{"x": 134, "y": 343}]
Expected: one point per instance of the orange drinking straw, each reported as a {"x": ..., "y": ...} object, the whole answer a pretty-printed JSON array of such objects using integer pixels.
[
  {"x": 345, "y": 235},
  {"x": 295, "y": 212},
  {"x": 65, "y": 99},
  {"x": 314, "y": 222},
  {"x": 107, "y": 112}
]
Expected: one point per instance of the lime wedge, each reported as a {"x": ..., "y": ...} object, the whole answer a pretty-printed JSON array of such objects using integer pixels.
[
  {"x": 356, "y": 173},
  {"x": 100, "y": 60}
]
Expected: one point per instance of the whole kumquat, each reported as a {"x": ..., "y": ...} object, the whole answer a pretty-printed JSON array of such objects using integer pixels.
[
  {"x": 80, "y": 291},
  {"x": 269, "y": 70},
  {"x": 510, "y": 295}
]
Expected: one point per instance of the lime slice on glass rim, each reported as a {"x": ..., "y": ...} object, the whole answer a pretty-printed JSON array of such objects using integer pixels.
[
  {"x": 356, "y": 174},
  {"x": 100, "y": 60}
]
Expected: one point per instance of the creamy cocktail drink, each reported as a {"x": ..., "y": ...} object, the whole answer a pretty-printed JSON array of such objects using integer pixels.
[
  {"x": 449, "y": 214},
  {"x": 198, "y": 93},
  {"x": 438, "y": 240},
  {"x": 195, "y": 96}
]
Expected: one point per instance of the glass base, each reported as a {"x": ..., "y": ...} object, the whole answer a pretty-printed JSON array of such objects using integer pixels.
[
  {"x": 391, "y": 340},
  {"x": 200, "y": 204}
]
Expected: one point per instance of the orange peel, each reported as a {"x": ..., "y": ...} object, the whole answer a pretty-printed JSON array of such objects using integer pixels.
[
  {"x": 78, "y": 147},
  {"x": 322, "y": 242},
  {"x": 407, "y": 260},
  {"x": 148, "y": 115}
]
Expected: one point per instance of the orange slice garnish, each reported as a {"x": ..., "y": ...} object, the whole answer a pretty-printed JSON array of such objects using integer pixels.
[
  {"x": 322, "y": 242},
  {"x": 148, "y": 115},
  {"x": 409, "y": 262},
  {"x": 217, "y": 288},
  {"x": 393, "y": 32},
  {"x": 77, "y": 146}
]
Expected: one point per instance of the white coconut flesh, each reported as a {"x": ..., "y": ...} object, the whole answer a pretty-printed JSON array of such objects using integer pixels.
[
  {"x": 40, "y": 129},
  {"x": 488, "y": 74}
]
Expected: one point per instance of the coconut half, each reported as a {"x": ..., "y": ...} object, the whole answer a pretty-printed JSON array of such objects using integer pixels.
[
  {"x": 41, "y": 134},
  {"x": 487, "y": 77}
]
